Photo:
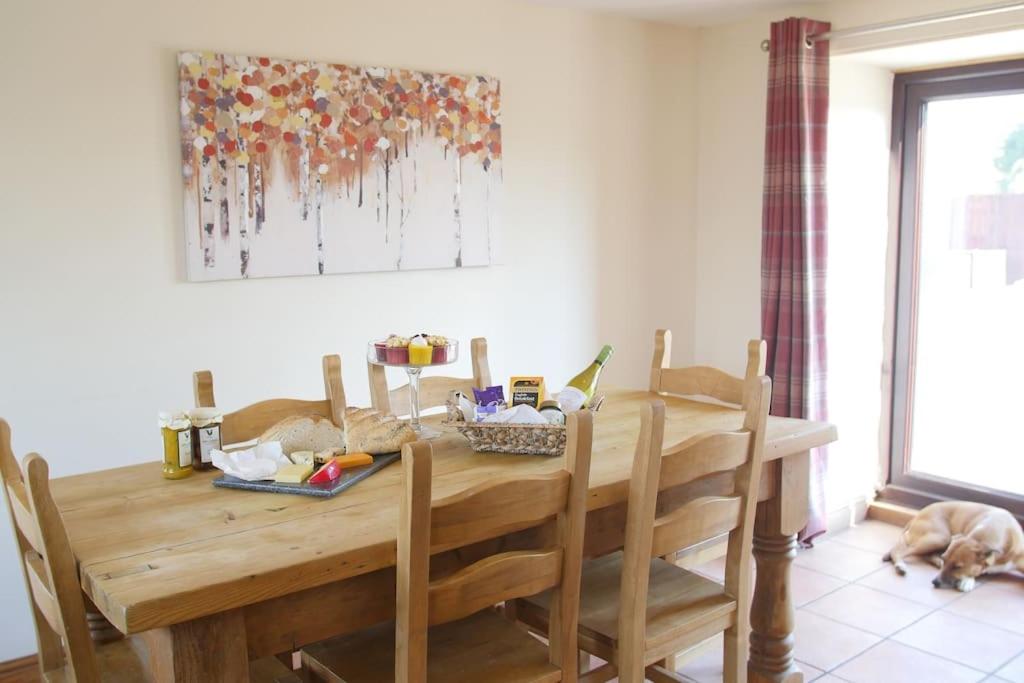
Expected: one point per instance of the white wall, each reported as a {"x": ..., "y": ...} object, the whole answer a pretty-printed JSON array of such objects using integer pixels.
[{"x": 101, "y": 330}]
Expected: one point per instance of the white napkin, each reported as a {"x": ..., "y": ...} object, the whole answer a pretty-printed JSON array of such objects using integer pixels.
[
  {"x": 521, "y": 414},
  {"x": 252, "y": 464}
]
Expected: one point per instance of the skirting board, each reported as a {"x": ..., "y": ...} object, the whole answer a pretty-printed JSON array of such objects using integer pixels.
[{"x": 21, "y": 670}]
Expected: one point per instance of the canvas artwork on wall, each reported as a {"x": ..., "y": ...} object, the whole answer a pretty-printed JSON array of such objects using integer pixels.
[{"x": 298, "y": 167}]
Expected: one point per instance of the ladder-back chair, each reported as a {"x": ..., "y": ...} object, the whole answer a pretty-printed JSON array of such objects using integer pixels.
[
  {"x": 248, "y": 423},
  {"x": 446, "y": 627}
]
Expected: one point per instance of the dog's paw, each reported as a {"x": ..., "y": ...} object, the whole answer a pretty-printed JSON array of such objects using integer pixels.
[
  {"x": 900, "y": 568},
  {"x": 965, "y": 585}
]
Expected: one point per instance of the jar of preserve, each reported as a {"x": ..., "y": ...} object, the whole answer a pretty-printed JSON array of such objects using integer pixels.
[
  {"x": 176, "y": 430},
  {"x": 205, "y": 436}
]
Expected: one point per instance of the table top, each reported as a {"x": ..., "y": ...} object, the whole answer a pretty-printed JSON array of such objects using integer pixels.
[{"x": 154, "y": 552}]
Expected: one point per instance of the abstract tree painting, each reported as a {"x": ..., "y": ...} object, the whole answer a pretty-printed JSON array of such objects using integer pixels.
[{"x": 299, "y": 167}]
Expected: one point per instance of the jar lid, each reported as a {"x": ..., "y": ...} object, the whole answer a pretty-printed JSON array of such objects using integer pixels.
[
  {"x": 550, "y": 404},
  {"x": 201, "y": 417},
  {"x": 173, "y": 420}
]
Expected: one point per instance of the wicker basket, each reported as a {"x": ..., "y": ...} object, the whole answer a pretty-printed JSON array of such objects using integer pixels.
[
  {"x": 513, "y": 438},
  {"x": 518, "y": 439}
]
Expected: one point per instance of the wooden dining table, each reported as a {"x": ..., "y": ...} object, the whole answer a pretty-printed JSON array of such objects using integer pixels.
[{"x": 211, "y": 578}]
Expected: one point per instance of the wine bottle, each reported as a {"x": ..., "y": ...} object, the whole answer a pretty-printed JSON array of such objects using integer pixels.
[{"x": 587, "y": 380}]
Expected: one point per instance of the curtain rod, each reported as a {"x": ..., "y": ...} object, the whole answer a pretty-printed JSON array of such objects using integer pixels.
[{"x": 925, "y": 20}]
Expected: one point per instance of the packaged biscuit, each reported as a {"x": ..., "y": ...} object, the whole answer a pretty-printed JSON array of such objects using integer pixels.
[{"x": 526, "y": 391}]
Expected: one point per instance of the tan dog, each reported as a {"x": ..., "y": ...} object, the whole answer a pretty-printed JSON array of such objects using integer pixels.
[{"x": 974, "y": 539}]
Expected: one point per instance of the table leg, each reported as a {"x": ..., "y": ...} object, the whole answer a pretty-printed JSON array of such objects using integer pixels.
[
  {"x": 209, "y": 649},
  {"x": 772, "y": 615}
]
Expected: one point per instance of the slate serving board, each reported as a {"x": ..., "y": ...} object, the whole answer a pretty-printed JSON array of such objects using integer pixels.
[{"x": 349, "y": 478}]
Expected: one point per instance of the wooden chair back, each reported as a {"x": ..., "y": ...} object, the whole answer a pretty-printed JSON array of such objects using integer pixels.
[
  {"x": 434, "y": 391},
  {"x": 650, "y": 534},
  {"x": 504, "y": 505},
  {"x": 248, "y": 423},
  {"x": 51, "y": 573},
  {"x": 702, "y": 380}
]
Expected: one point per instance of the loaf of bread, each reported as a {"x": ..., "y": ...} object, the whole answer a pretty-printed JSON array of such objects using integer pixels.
[
  {"x": 305, "y": 433},
  {"x": 369, "y": 431}
]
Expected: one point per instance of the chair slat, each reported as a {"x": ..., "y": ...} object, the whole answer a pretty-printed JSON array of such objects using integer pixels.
[
  {"x": 22, "y": 517},
  {"x": 702, "y": 455},
  {"x": 249, "y": 422},
  {"x": 434, "y": 392},
  {"x": 702, "y": 381},
  {"x": 694, "y": 522},
  {"x": 42, "y": 594},
  {"x": 505, "y": 576},
  {"x": 490, "y": 509}
]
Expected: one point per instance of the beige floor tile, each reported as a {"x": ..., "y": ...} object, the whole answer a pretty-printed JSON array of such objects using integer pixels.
[
  {"x": 811, "y": 673},
  {"x": 707, "y": 666},
  {"x": 825, "y": 644},
  {"x": 868, "y": 609},
  {"x": 871, "y": 535},
  {"x": 841, "y": 561},
  {"x": 890, "y": 662},
  {"x": 969, "y": 642},
  {"x": 1014, "y": 671},
  {"x": 999, "y": 604},
  {"x": 808, "y": 585},
  {"x": 829, "y": 678},
  {"x": 916, "y": 585}
]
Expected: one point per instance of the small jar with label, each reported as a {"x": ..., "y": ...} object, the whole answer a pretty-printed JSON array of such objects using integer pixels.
[
  {"x": 205, "y": 436},
  {"x": 552, "y": 412},
  {"x": 176, "y": 430}
]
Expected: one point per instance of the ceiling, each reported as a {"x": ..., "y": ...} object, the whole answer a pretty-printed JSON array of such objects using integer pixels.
[{"x": 692, "y": 12}]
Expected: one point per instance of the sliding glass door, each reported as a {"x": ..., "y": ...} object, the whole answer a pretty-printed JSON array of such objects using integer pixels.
[{"x": 958, "y": 392}]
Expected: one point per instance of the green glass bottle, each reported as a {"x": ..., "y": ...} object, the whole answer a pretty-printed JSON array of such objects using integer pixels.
[{"x": 587, "y": 380}]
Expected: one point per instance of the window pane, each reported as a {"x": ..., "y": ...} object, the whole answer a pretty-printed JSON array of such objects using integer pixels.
[{"x": 969, "y": 373}]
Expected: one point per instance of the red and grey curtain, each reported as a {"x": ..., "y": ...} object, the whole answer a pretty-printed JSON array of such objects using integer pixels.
[{"x": 794, "y": 231}]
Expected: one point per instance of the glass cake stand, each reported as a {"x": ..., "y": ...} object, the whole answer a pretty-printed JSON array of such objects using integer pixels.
[{"x": 378, "y": 354}]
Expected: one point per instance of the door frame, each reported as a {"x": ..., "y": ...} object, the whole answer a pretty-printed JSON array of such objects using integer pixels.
[{"x": 911, "y": 92}]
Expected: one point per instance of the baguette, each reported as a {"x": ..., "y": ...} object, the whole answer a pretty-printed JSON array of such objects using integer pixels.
[{"x": 369, "y": 431}]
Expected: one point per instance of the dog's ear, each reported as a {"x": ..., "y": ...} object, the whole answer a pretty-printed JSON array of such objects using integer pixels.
[{"x": 987, "y": 554}]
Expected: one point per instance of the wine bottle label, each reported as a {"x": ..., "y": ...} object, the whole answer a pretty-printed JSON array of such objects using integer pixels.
[{"x": 185, "y": 448}]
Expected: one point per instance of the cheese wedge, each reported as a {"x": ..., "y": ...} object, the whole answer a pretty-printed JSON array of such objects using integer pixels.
[
  {"x": 354, "y": 460},
  {"x": 293, "y": 474}
]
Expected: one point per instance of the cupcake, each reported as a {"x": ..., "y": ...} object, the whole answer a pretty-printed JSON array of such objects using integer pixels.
[
  {"x": 420, "y": 352},
  {"x": 397, "y": 350},
  {"x": 440, "y": 348}
]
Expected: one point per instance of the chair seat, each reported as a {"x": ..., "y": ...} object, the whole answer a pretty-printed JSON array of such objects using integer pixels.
[
  {"x": 681, "y": 606},
  {"x": 121, "y": 662},
  {"x": 482, "y": 647}
]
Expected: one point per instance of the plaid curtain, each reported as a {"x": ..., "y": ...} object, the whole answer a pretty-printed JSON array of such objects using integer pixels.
[{"x": 793, "y": 235}]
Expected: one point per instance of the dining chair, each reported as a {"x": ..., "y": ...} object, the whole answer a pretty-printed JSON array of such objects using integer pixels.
[
  {"x": 636, "y": 609},
  {"x": 248, "y": 423},
  {"x": 434, "y": 391},
  {"x": 66, "y": 651},
  {"x": 446, "y": 627},
  {"x": 702, "y": 380}
]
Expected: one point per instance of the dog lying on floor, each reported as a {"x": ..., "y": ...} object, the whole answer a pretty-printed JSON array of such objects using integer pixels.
[{"x": 964, "y": 540}]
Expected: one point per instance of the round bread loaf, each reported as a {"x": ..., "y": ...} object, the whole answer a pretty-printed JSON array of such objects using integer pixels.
[{"x": 305, "y": 433}]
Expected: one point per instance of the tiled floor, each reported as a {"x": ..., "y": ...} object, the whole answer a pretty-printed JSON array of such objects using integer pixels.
[{"x": 858, "y": 622}]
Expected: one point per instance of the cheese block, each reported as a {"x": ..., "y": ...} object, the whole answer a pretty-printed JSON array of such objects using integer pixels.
[
  {"x": 354, "y": 460},
  {"x": 303, "y": 457},
  {"x": 293, "y": 474}
]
